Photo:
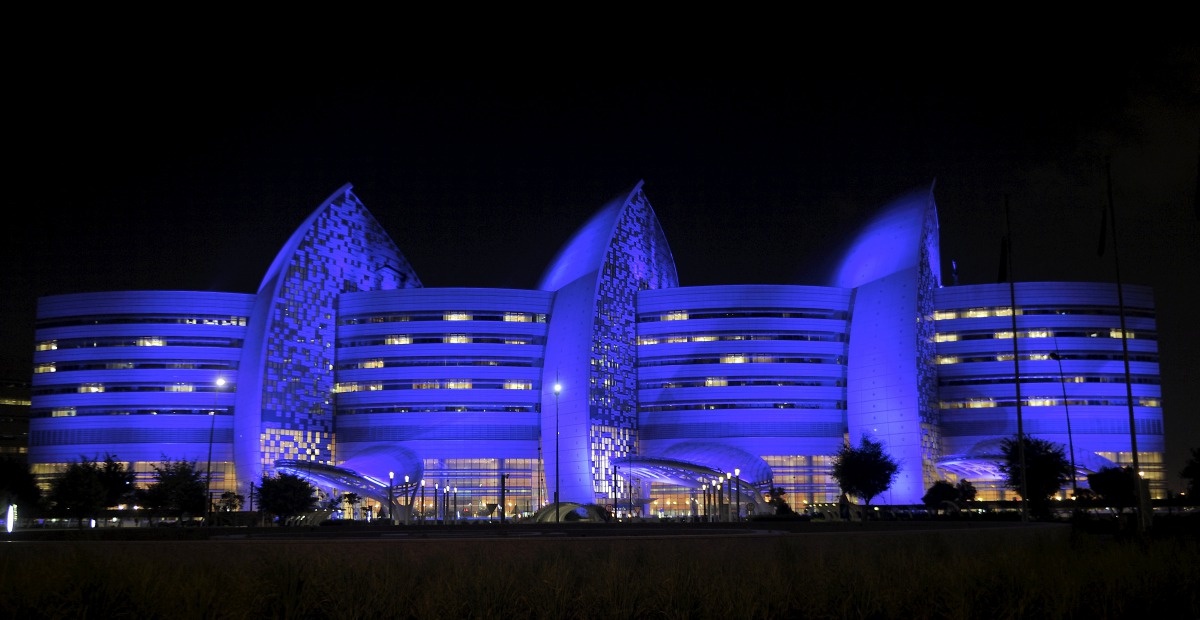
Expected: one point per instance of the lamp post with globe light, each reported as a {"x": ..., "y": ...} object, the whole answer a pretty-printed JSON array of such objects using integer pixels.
[
  {"x": 557, "y": 509},
  {"x": 212, "y": 427}
]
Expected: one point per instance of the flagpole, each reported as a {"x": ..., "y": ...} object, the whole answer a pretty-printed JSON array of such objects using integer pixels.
[
  {"x": 1111, "y": 217},
  {"x": 1012, "y": 294}
]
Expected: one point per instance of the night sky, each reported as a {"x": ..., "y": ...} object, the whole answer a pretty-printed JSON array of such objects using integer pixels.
[{"x": 193, "y": 180}]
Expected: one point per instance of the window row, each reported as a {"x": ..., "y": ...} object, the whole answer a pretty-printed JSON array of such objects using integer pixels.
[
  {"x": 979, "y": 313},
  {"x": 742, "y": 359},
  {"x": 1034, "y": 357},
  {"x": 142, "y": 319},
  {"x": 732, "y": 337},
  {"x": 512, "y": 317},
  {"x": 433, "y": 384},
  {"x": 740, "y": 382},
  {"x": 441, "y": 339},
  {"x": 769, "y": 313},
  {"x": 1042, "y": 333},
  {"x": 143, "y": 341},
  {"x": 1044, "y": 401}
]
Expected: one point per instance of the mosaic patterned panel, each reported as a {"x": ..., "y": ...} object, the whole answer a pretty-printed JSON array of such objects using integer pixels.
[
  {"x": 927, "y": 380},
  {"x": 345, "y": 251},
  {"x": 638, "y": 258}
]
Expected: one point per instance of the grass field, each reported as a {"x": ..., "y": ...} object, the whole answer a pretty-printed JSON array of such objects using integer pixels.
[{"x": 1029, "y": 571}]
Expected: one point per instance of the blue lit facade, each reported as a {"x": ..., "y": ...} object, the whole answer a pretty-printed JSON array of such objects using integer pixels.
[{"x": 344, "y": 369}]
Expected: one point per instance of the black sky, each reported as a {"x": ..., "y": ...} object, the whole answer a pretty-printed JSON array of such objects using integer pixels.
[{"x": 193, "y": 180}]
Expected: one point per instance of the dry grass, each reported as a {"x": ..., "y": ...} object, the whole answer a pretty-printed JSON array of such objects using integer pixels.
[{"x": 1031, "y": 572}]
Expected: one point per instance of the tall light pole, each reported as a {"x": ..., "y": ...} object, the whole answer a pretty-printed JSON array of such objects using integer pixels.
[
  {"x": 737, "y": 474},
  {"x": 212, "y": 427},
  {"x": 408, "y": 493},
  {"x": 391, "y": 483},
  {"x": 557, "y": 510},
  {"x": 1066, "y": 410}
]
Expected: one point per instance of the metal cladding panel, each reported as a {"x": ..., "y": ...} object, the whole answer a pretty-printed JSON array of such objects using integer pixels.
[
  {"x": 1043, "y": 294},
  {"x": 130, "y": 438},
  {"x": 369, "y": 303},
  {"x": 882, "y": 377},
  {"x": 144, "y": 303},
  {"x": 742, "y": 296}
]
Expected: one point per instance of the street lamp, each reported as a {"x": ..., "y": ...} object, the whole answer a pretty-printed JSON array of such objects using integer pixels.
[
  {"x": 445, "y": 504},
  {"x": 456, "y": 504},
  {"x": 1066, "y": 410},
  {"x": 718, "y": 484},
  {"x": 704, "y": 489},
  {"x": 408, "y": 494},
  {"x": 737, "y": 473},
  {"x": 422, "y": 501},
  {"x": 557, "y": 509},
  {"x": 391, "y": 483},
  {"x": 212, "y": 427}
]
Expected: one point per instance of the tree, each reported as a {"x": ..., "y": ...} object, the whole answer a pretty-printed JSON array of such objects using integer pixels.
[
  {"x": 1046, "y": 470},
  {"x": 1116, "y": 485},
  {"x": 117, "y": 481},
  {"x": 286, "y": 496},
  {"x": 79, "y": 492},
  {"x": 230, "y": 502},
  {"x": 966, "y": 491},
  {"x": 177, "y": 490},
  {"x": 775, "y": 498},
  {"x": 940, "y": 493},
  {"x": 1191, "y": 473},
  {"x": 17, "y": 486},
  {"x": 865, "y": 471}
]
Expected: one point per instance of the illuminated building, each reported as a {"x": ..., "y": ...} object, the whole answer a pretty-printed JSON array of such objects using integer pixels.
[{"x": 343, "y": 368}]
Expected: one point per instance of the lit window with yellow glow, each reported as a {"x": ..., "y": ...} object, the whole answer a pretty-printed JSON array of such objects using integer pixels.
[
  {"x": 456, "y": 339},
  {"x": 371, "y": 364},
  {"x": 426, "y": 385},
  {"x": 40, "y": 368},
  {"x": 1116, "y": 333},
  {"x": 1041, "y": 402},
  {"x": 1039, "y": 333},
  {"x": 151, "y": 342},
  {"x": 678, "y": 315},
  {"x": 49, "y": 345},
  {"x": 704, "y": 338},
  {"x": 1149, "y": 402},
  {"x": 456, "y": 316},
  {"x": 647, "y": 340},
  {"x": 945, "y": 338},
  {"x": 941, "y": 316},
  {"x": 62, "y": 413},
  {"x": 91, "y": 388},
  {"x": 1003, "y": 335},
  {"x": 513, "y": 341},
  {"x": 181, "y": 387},
  {"x": 716, "y": 382},
  {"x": 947, "y": 359},
  {"x": 518, "y": 385},
  {"x": 397, "y": 340},
  {"x": 516, "y": 317},
  {"x": 733, "y": 359},
  {"x": 458, "y": 384}
]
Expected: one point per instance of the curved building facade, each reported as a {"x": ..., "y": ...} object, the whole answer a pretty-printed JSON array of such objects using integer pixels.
[{"x": 608, "y": 384}]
